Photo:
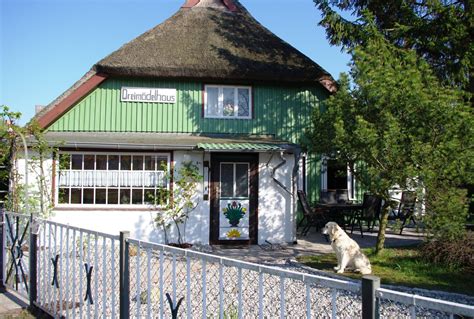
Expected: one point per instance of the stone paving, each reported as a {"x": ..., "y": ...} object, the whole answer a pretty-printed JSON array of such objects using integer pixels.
[
  {"x": 312, "y": 244},
  {"x": 11, "y": 305}
]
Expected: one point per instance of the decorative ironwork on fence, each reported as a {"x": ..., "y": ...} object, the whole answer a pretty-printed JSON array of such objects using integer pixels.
[
  {"x": 79, "y": 273},
  {"x": 79, "y": 269},
  {"x": 16, "y": 252}
]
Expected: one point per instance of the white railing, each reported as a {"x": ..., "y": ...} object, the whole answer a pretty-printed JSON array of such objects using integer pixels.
[
  {"x": 77, "y": 271},
  {"x": 82, "y": 274},
  {"x": 395, "y": 303}
]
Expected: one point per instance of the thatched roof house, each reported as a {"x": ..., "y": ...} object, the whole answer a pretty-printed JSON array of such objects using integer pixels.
[{"x": 211, "y": 86}]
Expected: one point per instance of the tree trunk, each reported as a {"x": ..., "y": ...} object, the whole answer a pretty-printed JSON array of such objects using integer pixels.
[
  {"x": 382, "y": 227},
  {"x": 180, "y": 240},
  {"x": 165, "y": 232}
]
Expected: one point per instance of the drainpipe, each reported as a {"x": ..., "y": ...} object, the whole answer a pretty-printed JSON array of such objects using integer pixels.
[{"x": 283, "y": 162}]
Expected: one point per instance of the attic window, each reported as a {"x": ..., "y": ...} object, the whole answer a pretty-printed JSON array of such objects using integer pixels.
[{"x": 227, "y": 102}]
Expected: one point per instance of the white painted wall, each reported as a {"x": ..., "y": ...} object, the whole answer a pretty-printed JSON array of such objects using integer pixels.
[
  {"x": 139, "y": 222},
  {"x": 275, "y": 207}
]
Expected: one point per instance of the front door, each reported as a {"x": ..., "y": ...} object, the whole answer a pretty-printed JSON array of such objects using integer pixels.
[{"x": 234, "y": 198}]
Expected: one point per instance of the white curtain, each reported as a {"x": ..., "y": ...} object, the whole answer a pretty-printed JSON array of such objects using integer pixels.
[{"x": 111, "y": 178}]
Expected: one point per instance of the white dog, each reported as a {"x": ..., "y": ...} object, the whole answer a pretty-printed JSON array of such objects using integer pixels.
[{"x": 347, "y": 250}]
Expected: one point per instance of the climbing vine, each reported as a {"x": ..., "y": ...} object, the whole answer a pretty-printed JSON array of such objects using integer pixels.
[{"x": 39, "y": 186}]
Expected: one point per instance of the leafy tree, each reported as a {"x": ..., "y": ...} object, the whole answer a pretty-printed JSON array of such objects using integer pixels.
[
  {"x": 39, "y": 188},
  {"x": 440, "y": 31},
  {"x": 179, "y": 202},
  {"x": 403, "y": 125},
  {"x": 8, "y": 152}
]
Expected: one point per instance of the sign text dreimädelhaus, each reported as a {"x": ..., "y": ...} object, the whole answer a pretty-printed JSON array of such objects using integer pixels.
[{"x": 147, "y": 95}]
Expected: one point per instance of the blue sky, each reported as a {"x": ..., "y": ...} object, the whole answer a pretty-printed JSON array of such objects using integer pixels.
[{"x": 47, "y": 45}]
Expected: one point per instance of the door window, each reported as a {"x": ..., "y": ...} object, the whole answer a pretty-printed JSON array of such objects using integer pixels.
[{"x": 234, "y": 180}]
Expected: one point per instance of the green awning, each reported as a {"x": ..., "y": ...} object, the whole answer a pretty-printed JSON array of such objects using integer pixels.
[
  {"x": 165, "y": 141},
  {"x": 255, "y": 147}
]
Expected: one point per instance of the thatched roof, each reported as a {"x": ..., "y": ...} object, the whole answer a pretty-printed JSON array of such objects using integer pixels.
[{"x": 213, "y": 40}]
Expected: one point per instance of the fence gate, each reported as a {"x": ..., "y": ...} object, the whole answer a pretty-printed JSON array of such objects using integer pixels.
[{"x": 16, "y": 252}]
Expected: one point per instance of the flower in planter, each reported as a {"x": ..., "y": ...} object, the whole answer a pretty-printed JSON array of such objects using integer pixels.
[
  {"x": 233, "y": 233},
  {"x": 234, "y": 213}
]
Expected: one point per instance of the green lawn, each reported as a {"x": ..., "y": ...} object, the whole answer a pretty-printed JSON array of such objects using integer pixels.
[
  {"x": 404, "y": 267},
  {"x": 24, "y": 314}
]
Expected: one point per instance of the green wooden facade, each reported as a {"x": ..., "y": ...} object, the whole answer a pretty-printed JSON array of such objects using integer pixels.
[{"x": 281, "y": 111}]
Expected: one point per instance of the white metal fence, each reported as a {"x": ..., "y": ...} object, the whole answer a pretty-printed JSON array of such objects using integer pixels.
[
  {"x": 84, "y": 274},
  {"x": 77, "y": 271},
  {"x": 217, "y": 287},
  {"x": 397, "y": 304}
]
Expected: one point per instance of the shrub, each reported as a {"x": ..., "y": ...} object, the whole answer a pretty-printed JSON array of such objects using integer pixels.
[
  {"x": 446, "y": 212},
  {"x": 456, "y": 253}
]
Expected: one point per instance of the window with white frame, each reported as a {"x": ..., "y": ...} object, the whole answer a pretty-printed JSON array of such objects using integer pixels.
[
  {"x": 112, "y": 179},
  {"x": 232, "y": 102},
  {"x": 337, "y": 175}
]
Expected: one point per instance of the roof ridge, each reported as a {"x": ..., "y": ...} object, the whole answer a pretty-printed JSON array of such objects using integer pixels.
[{"x": 230, "y": 4}]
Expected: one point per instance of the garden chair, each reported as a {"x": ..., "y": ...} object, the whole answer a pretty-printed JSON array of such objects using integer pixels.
[
  {"x": 370, "y": 213},
  {"x": 312, "y": 217},
  {"x": 406, "y": 209}
]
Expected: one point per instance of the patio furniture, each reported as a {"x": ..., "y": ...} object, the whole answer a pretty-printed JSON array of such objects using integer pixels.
[
  {"x": 369, "y": 212},
  {"x": 340, "y": 212},
  {"x": 328, "y": 196},
  {"x": 406, "y": 209},
  {"x": 342, "y": 196},
  {"x": 313, "y": 216}
]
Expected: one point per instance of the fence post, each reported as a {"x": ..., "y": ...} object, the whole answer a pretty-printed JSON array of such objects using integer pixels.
[
  {"x": 370, "y": 284},
  {"x": 2, "y": 247},
  {"x": 33, "y": 253},
  {"x": 124, "y": 275}
]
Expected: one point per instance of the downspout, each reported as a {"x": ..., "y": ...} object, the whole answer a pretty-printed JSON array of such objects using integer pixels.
[{"x": 274, "y": 170}]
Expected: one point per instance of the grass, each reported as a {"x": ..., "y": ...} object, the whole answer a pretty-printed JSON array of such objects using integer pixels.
[
  {"x": 24, "y": 314},
  {"x": 403, "y": 267}
]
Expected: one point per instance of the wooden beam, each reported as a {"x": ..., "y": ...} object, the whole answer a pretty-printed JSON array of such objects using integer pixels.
[{"x": 68, "y": 102}]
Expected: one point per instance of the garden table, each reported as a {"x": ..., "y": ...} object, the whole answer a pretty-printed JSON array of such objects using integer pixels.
[{"x": 340, "y": 211}]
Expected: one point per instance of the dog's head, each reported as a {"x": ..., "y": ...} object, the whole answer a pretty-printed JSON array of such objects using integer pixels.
[{"x": 331, "y": 229}]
